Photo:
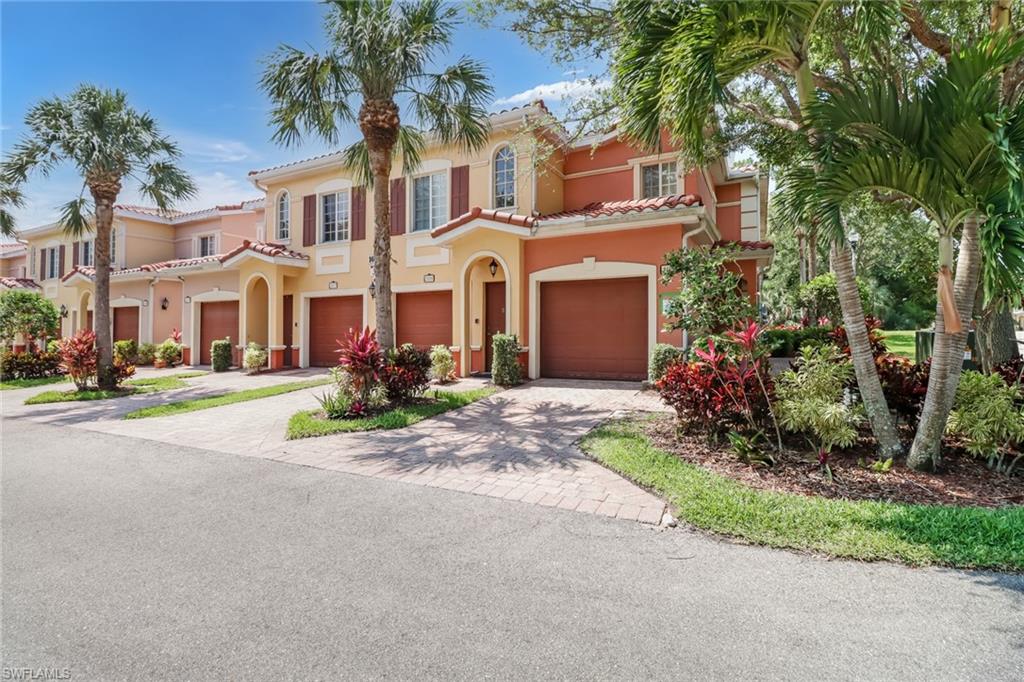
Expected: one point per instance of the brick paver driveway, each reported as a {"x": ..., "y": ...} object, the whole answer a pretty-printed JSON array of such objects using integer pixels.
[{"x": 519, "y": 444}]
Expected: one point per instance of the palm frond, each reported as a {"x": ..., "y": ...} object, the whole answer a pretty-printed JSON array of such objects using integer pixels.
[
  {"x": 356, "y": 158},
  {"x": 454, "y": 104},
  {"x": 165, "y": 183},
  {"x": 74, "y": 216}
]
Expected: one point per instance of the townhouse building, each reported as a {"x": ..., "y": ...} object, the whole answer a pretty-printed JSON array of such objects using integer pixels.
[{"x": 558, "y": 243}]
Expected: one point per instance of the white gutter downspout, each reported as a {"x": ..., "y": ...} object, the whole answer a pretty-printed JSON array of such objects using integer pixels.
[{"x": 701, "y": 227}]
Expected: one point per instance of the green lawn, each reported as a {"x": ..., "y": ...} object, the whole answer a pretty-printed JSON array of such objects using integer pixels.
[
  {"x": 130, "y": 387},
  {"x": 901, "y": 342},
  {"x": 307, "y": 424},
  {"x": 12, "y": 384},
  {"x": 225, "y": 399},
  {"x": 912, "y": 534}
]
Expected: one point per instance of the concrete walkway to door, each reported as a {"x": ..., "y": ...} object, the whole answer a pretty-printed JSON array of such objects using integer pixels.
[{"x": 519, "y": 444}]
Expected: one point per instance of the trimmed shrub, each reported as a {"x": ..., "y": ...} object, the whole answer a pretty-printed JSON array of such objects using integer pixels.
[
  {"x": 442, "y": 364},
  {"x": 79, "y": 357},
  {"x": 25, "y": 365},
  {"x": 145, "y": 354},
  {"x": 505, "y": 369},
  {"x": 406, "y": 373},
  {"x": 169, "y": 352},
  {"x": 220, "y": 355},
  {"x": 255, "y": 357},
  {"x": 126, "y": 351},
  {"x": 663, "y": 356}
]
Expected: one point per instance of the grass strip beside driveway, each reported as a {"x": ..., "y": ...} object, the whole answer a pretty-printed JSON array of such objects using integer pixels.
[
  {"x": 224, "y": 399},
  {"x": 305, "y": 424},
  {"x": 961, "y": 537},
  {"x": 130, "y": 387},
  {"x": 14, "y": 384}
]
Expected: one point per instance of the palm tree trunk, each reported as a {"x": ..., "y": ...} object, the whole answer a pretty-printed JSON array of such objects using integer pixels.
[
  {"x": 997, "y": 339},
  {"x": 380, "y": 163},
  {"x": 881, "y": 420},
  {"x": 104, "y": 346},
  {"x": 948, "y": 351}
]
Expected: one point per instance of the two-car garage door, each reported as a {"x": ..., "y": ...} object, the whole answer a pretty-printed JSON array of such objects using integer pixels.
[{"x": 594, "y": 329}]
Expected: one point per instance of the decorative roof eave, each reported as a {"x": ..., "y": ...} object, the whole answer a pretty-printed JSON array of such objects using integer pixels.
[
  {"x": 498, "y": 120},
  {"x": 268, "y": 252}
]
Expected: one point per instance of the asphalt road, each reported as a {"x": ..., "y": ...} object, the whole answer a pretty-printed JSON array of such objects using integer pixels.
[{"x": 129, "y": 559}]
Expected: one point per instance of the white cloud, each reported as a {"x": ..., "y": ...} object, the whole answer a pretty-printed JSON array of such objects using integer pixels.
[
  {"x": 555, "y": 93},
  {"x": 205, "y": 149},
  {"x": 218, "y": 188}
]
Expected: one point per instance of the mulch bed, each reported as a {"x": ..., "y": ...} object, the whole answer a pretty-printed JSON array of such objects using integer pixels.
[{"x": 964, "y": 481}]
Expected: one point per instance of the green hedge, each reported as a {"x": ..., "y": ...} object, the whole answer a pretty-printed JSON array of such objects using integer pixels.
[
  {"x": 220, "y": 355},
  {"x": 505, "y": 370}
]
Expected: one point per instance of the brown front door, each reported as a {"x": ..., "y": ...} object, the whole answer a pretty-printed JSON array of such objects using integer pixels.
[
  {"x": 494, "y": 317},
  {"x": 594, "y": 329},
  {"x": 126, "y": 323},
  {"x": 332, "y": 319},
  {"x": 424, "y": 318},
  {"x": 217, "y": 320},
  {"x": 88, "y": 319},
  {"x": 287, "y": 331}
]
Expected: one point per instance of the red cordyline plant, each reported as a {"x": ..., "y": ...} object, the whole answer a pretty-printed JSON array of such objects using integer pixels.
[
  {"x": 746, "y": 340},
  {"x": 362, "y": 358},
  {"x": 176, "y": 335},
  {"x": 78, "y": 357}
]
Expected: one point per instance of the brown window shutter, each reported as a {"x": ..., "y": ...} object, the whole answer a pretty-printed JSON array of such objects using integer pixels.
[
  {"x": 42, "y": 264},
  {"x": 358, "y": 213},
  {"x": 74, "y": 253},
  {"x": 398, "y": 206},
  {"x": 60, "y": 262},
  {"x": 460, "y": 191},
  {"x": 309, "y": 220}
]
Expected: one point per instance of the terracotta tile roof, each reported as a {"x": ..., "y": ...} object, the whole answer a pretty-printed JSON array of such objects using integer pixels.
[
  {"x": 176, "y": 216},
  {"x": 487, "y": 214},
  {"x": 19, "y": 283},
  {"x": 600, "y": 209},
  {"x": 746, "y": 245},
  {"x": 263, "y": 248}
]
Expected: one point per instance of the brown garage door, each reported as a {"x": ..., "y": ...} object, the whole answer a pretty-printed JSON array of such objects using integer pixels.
[
  {"x": 218, "y": 320},
  {"x": 424, "y": 318},
  {"x": 594, "y": 329},
  {"x": 126, "y": 323},
  {"x": 332, "y": 319}
]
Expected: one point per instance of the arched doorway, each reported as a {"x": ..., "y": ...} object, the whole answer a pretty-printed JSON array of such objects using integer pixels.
[
  {"x": 486, "y": 294},
  {"x": 84, "y": 320},
  {"x": 257, "y": 311}
]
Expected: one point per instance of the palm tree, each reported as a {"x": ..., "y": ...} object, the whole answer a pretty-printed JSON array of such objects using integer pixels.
[
  {"x": 673, "y": 70},
  {"x": 108, "y": 142},
  {"x": 380, "y": 54},
  {"x": 952, "y": 148}
]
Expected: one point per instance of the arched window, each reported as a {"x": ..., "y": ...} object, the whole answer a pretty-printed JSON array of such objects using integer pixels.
[
  {"x": 283, "y": 216},
  {"x": 504, "y": 178}
]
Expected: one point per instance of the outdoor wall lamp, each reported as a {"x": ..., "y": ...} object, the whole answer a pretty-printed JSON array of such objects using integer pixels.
[
  {"x": 493, "y": 267},
  {"x": 188, "y": 299},
  {"x": 63, "y": 310},
  {"x": 164, "y": 303}
]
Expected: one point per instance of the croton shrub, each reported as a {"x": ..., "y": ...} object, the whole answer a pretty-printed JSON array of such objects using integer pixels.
[
  {"x": 406, "y": 373},
  {"x": 79, "y": 357},
  {"x": 28, "y": 365}
]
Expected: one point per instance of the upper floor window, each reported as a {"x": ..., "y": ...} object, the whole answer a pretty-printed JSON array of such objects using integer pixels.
[
  {"x": 429, "y": 201},
  {"x": 504, "y": 178},
  {"x": 52, "y": 263},
  {"x": 659, "y": 180},
  {"x": 113, "y": 247},
  {"x": 334, "y": 217},
  {"x": 88, "y": 253},
  {"x": 207, "y": 245},
  {"x": 283, "y": 216}
]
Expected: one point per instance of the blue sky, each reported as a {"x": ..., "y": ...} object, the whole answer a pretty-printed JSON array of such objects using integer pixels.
[{"x": 195, "y": 67}]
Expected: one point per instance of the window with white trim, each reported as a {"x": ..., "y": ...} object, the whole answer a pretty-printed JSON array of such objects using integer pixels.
[
  {"x": 207, "y": 245},
  {"x": 32, "y": 262},
  {"x": 659, "y": 180},
  {"x": 113, "y": 247},
  {"x": 87, "y": 256},
  {"x": 429, "y": 201},
  {"x": 52, "y": 263},
  {"x": 505, "y": 178},
  {"x": 334, "y": 217},
  {"x": 284, "y": 216}
]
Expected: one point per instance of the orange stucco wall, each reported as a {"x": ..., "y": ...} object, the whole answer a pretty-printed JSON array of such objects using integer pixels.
[
  {"x": 166, "y": 320},
  {"x": 648, "y": 245},
  {"x": 616, "y": 186}
]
